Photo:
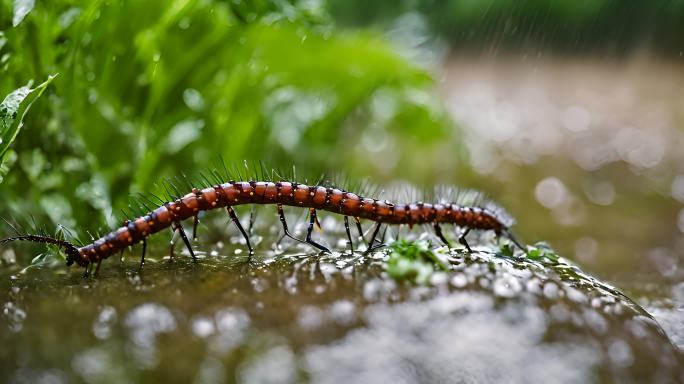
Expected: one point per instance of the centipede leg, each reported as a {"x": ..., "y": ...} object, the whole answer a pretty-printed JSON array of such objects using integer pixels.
[
  {"x": 87, "y": 270},
  {"x": 462, "y": 239},
  {"x": 515, "y": 240},
  {"x": 438, "y": 232},
  {"x": 346, "y": 228},
  {"x": 312, "y": 220},
  {"x": 371, "y": 248},
  {"x": 358, "y": 227},
  {"x": 142, "y": 258},
  {"x": 185, "y": 240},
  {"x": 281, "y": 214},
  {"x": 252, "y": 219},
  {"x": 194, "y": 228},
  {"x": 234, "y": 217},
  {"x": 172, "y": 244},
  {"x": 97, "y": 268}
]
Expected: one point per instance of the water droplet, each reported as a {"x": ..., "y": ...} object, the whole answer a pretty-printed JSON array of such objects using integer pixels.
[
  {"x": 576, "y": 119},
  {"x": 310, "y": 318},
  {"x": 551, "y": 290},
  {"x": 343, "y": 312},
  {"x": 506, "y": 286},
  {"x": 620, "y": 353},
  {"x": 102, "y": 327},
  {"x": 203, "y": 326},
  {"x": 193, "y": 99},
  {"x": 550, "y": 192}
]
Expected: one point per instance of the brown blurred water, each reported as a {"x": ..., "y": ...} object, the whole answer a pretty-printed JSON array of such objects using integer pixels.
[{"x": 589, "y": 155}]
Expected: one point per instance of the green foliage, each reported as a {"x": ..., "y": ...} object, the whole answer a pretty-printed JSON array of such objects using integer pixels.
[
  {"x": 12, "y": 111},
  {"x": 543, "y": 252},
  {"x": 607, "y": 26},
  {"x": 414, "y": 261},
  {"x": 153, "y": 89}
]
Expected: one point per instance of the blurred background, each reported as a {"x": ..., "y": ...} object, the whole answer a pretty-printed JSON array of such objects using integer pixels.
[{"x": 568, "y": 113}]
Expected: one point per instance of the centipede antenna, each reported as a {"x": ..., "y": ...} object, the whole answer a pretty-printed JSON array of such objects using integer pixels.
[
  {"x": 235, "y": 220},
  {"x": 312, "y": 220}
]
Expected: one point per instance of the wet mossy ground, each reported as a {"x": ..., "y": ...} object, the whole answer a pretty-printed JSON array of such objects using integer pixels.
[{"x": 490, "y": 315}]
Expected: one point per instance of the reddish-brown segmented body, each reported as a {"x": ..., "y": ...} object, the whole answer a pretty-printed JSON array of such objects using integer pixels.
[{"x": 286, "y": 193}]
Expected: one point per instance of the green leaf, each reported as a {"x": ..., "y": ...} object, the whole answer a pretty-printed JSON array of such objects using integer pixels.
[
  {"x": 413, "y": 261},
  {"x": 21, "y": 9},
  {"x": 12, "y": 111}
]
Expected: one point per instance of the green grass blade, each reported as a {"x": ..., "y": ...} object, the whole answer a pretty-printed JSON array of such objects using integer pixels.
[{"x": 12, "y": 111}]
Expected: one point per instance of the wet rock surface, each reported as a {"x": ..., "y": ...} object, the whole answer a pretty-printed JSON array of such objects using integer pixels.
[{"x": 341, "y": 318}]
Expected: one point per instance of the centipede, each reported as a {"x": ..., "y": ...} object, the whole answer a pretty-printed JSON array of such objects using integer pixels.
[{"x": 280, "y": 192}]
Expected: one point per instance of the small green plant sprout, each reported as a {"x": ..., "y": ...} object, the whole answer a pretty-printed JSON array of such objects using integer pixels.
[
  {"x": 415, "y": 261},
  {"x": 542, "y": 252}
]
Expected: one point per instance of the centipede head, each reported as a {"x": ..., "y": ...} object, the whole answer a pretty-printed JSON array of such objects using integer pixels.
[{"x": 71, "y": 251}]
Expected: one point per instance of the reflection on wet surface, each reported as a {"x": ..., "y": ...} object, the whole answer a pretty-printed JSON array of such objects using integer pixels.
[
  {"x": 592, "y": 153},
  {"x": 337, "y": 318}
]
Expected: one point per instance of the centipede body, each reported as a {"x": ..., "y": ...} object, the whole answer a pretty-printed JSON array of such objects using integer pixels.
[{"x": 284, "y": 193}]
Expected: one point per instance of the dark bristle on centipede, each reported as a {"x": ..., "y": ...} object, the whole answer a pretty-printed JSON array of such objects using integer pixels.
[{"x": 254, "y": 184}]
